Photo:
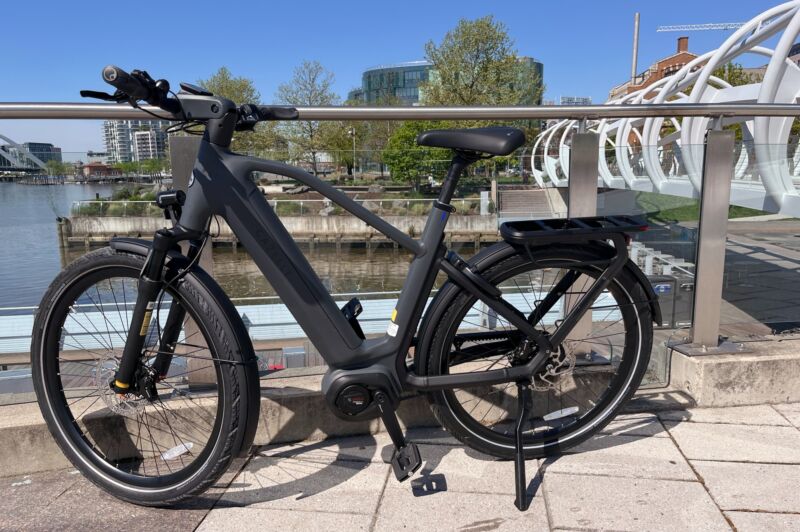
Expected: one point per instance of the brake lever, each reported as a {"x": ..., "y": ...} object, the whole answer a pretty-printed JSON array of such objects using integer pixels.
[{"x": 98, "y": 95}]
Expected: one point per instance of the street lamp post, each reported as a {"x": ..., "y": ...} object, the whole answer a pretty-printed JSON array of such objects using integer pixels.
[{"x": 352, "y": 132}]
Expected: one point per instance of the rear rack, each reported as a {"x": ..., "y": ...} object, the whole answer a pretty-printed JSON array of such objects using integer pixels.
[{"x": 593, "y": 228}]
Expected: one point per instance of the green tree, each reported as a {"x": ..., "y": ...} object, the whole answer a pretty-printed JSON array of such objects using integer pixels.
[
  {"x": 476, "y": 64},
  {"x": 409, "y": 162},
  {"x": 126, "y": 168},
  {"x": 337, "y": 139},
  {"x": 242, "y": 90},
  {"x": 55, "y": 168},
  {"x": 734, "y": 74},
  {"x": 153, "y": 167},
  {"x": 311, "y": 85}
]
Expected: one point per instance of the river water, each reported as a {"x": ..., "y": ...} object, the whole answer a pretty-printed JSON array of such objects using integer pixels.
[{"x": 31, "y": 258}]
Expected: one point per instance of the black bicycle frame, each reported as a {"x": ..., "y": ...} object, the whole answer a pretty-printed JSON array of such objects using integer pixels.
[{"x": 221, "y": 185}]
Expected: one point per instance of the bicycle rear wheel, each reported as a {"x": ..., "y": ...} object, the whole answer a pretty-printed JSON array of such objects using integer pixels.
[
  {"x": 154, "y": 448},
  {"x": 593, "y": 373}
]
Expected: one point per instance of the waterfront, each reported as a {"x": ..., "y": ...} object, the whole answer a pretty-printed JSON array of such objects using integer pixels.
[{"x": 31, "y": 257}]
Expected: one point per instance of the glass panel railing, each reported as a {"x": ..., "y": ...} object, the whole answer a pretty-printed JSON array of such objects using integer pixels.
[
  {"x": 762, "y": 259},
  {"x": 93, "y": 199}
]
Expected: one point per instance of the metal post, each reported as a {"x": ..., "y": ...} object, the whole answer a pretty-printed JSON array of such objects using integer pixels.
[
  {"x": 583, "y": 155},
  {"x": 635, "y": 47},
  {"x": 582, "y": 202},
  {"x": 718, "y": 166}
]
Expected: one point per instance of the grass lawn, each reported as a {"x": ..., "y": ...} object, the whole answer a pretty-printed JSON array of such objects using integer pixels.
[{"x": 665, "y": 209}]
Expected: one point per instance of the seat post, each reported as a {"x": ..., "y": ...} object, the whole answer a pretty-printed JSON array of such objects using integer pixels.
[{"x": 458, "y": 164}]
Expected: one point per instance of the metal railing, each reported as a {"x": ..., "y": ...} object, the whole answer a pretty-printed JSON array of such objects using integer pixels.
[
  {"x": 717, "y": 172},
  {"x": 25, "y": 110}
]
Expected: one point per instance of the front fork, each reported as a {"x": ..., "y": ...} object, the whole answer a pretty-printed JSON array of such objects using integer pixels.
[{"x": 151, "y": 282}]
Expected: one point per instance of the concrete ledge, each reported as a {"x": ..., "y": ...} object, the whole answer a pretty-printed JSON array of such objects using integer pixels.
[
  {"x": 768, "y": 373},
  {"x": 292, "y": 409}
]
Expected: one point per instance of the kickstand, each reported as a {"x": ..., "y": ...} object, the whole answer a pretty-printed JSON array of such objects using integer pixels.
[{"x": 523, "y": 398}]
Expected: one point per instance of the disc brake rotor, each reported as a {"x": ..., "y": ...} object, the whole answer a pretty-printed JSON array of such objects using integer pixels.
[
  {"x": 561, "y": 363},
  {"x": 128, "y": 405}
]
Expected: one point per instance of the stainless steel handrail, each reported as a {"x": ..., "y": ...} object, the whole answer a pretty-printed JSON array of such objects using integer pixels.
[{"x": 27, "y": 110}]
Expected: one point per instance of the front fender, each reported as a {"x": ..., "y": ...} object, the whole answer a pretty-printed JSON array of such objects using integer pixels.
[{"x": 176, "y": 260}]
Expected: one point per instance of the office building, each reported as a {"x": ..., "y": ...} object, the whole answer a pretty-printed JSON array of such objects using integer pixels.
[{"x": 134, "y": 140}]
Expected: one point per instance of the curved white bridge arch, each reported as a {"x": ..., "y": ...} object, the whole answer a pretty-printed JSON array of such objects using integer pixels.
[
  {"x": 21, "y": 159},
  {"x": 641, "y": 154}
]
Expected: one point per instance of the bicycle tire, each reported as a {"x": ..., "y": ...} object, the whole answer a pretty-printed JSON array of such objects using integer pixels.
[
  {"x": 445, "y": 405},
  {"x": 233, "y": 367}
]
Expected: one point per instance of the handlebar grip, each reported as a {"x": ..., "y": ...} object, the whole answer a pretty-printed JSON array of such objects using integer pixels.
[
  {"x": 126, "y": 83},
  {"x": 275, "y": 112}
]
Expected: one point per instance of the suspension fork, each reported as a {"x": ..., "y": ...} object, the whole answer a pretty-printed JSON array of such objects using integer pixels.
[
  {"x": 151, "y": 282},
  {"x": 172, "y": 327}
]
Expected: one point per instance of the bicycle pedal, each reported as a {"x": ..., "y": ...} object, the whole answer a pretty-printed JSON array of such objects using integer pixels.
[{"x": 406, "y": 461}]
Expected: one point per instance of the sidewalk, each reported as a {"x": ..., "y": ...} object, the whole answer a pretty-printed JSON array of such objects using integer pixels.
[{"x": 701, "y": 469}]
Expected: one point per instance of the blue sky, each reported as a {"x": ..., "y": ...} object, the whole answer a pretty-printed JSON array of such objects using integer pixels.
[{"x": 52, "y": 53}]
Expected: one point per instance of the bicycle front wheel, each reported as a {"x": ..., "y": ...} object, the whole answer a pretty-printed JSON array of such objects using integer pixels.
[
  {"x": 585, "y": 382},
  {"x": 154, "y": 448}
]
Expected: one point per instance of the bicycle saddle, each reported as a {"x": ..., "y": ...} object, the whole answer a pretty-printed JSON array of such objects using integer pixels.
[{"x": 497, "y": 140}]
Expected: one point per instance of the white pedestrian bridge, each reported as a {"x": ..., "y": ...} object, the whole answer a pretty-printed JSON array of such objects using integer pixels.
[{"x": 665, "y": 155}]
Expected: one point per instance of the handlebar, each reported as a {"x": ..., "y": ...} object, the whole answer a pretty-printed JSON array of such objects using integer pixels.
[
  {"x": 138, "y": 85},
  {"x": 121, "y": 80},
  {"x": 250, "y": 115},
  {"x": 276, "y": 112}
]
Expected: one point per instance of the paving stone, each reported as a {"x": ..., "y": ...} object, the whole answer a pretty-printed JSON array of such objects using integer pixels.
[
  {"x": 763, "y": 522},
  {"x": 272, "y": 519},
  {"x": 359, "y": 448},
  {"x": 744, "y": 443},
  {"x": 370, "y": 447},
  {"x": 309, "y": 485},
  {"x": 462, "y": 470},
  {"x": 741, "y": 415},
  {"x": 791, "y": 411},
  {"x": 642, "y": 424},
  {"x": 87, "y": 508},
  {"x": 623, "y": 456},
  {"x": 450, "y": 510},
  {"x": 606, "y": 503},
  {"x": 762, "y": 487},
  {"x": 23, "y": 497}
]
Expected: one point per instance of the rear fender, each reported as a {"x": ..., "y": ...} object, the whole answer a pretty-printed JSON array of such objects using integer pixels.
[{"x": 479, "y": 263}]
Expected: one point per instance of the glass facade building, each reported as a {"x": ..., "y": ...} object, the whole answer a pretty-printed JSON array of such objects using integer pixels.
[
  {"x": 398, "y": 81},
  {"x": 401, "y": 82}
]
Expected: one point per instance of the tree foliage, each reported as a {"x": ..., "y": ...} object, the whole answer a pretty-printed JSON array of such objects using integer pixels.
[
  {"x": 311, "y": 85},
  {"x": 476, "y": 64},
  {"x": 56, "y": 168},
  {"x": 408, "y": 162},
  {"x": 242, "y": 90},
  {"x": 337, "y": 137},
  {"x": 734, "y": 74}
]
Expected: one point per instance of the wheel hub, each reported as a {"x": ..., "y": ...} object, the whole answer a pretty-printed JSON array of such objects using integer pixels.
[{"x": 130, "y": 404}]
